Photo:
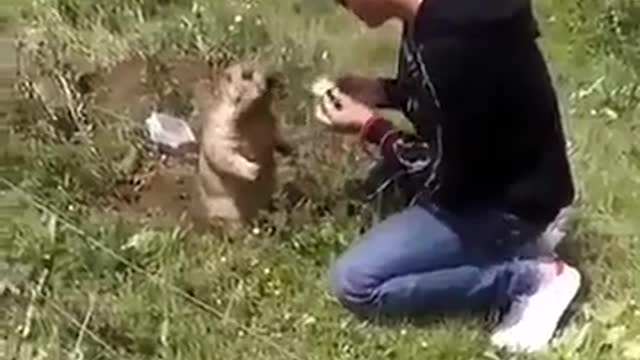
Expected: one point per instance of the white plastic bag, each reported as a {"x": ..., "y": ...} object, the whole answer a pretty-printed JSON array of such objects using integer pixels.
[{"x": 170, "y": 131}]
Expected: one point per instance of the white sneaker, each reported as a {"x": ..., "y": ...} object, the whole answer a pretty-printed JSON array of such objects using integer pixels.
[{"x": 532, "y": 320}]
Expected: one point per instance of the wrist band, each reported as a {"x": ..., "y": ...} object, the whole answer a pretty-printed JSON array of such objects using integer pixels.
[
  {"x": 363, "y": 133},
  {"x": 367, "y": 125},
  {"x": 383, "y": 133},
  {"x": 387, "y": 135}
]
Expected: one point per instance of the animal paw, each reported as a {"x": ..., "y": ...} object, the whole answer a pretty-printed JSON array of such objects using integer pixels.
[{"x": 250, "y": 171}]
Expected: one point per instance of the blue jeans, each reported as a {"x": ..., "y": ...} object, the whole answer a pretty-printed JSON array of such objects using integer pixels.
[{"x": 425, "y": 260}]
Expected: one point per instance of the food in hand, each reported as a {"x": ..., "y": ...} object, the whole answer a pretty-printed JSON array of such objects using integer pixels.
[{"x": 322, "y": 86}]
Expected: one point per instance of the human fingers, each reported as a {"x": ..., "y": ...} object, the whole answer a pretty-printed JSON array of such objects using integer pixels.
[
  {"x": 342, "y": 100},
  {"x": 321, "y": 115},
  {"x": 332, "y": 94},
  {"x": 330, "y": 105}
]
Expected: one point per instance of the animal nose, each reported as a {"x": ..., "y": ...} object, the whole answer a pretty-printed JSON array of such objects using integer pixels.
[
  {"x": 247, "y": 74},
  {"x": 276, "y": 80},
  {"x": 272, "y": 82}
]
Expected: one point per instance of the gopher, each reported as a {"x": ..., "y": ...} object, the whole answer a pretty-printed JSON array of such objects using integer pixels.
[{"x": 239, "y": 136}]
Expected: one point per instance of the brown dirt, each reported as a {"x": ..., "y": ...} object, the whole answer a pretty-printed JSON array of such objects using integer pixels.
[
  {"x": 137, "y": 85},
  {"x": 161, "y": 191}
]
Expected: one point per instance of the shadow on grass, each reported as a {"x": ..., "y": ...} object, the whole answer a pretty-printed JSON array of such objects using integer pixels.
[{"x": 574, "y": 252}]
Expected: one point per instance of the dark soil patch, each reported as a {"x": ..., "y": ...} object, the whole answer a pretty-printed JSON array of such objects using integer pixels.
[{"x": 160, "y": 191}]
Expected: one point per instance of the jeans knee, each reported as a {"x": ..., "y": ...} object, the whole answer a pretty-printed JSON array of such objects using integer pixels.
[{"x": 350, "y": 284}]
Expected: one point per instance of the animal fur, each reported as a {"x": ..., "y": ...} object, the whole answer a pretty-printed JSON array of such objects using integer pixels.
[{"x": 236, "y": 175}]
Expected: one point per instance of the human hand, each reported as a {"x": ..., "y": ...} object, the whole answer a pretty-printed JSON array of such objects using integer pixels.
[
  {"x": 342, "y": 113},
  {"x": 369, "y": 91}
]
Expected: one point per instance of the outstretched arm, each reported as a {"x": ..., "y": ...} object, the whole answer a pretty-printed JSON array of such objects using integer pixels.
[
  {"x": 401, "y": 150},
  {"x": 377, "y": 92}
]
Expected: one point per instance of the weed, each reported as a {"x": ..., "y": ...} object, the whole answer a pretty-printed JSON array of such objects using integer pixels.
[{"x": 119, "y": 287}]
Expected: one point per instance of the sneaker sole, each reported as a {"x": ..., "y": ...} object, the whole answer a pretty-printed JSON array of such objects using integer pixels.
[{"x": 537, "y": 339}]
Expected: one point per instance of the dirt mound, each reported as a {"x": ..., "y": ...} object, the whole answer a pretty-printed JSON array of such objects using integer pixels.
[
  {"x": 162, "y": 190},
  {"x": 138, "y": 86}
]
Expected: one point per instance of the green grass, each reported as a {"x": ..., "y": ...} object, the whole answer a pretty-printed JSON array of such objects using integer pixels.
[
  {"x": 9, "y": 12},
  {"x": 115, "y": 288}
]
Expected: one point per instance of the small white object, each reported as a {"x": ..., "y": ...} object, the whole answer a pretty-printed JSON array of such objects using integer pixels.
[
  {"x": 321, "y": 86},
  {"x": 168, "y": 130}
]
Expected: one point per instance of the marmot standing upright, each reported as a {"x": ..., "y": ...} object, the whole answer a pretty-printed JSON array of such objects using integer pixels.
[{"x": 239, "y": 137}]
